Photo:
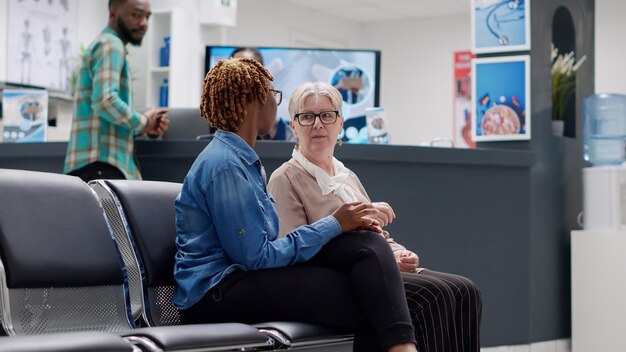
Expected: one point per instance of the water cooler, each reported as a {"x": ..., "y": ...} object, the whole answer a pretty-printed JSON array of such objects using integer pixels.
[
  {"x": 604, "y": 146},
  {"x": 598, "y": 252}
]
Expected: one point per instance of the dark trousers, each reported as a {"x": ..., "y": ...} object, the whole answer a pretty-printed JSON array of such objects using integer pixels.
[
  {"x": 446, "y": 311},
  {"x": 353, "y": 282},
  {"x": 98, "y": 170}
]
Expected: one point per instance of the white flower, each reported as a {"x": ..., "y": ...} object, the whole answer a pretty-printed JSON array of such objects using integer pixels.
[{"x": 564, "y": 68}]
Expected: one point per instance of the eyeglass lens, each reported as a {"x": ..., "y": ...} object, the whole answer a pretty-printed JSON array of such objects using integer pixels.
[
  {"x": 326, "y": 117},
  {"x": 278, "y": 96}
]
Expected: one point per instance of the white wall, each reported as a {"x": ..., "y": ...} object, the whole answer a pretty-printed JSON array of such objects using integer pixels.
[
  {"x": 610, "y": 53},
  {"x": 417, "y": 74},
  {"x": 274, "y": 23},
  {"x": 3, "y": 41},
  {"x": 259, "y": 23},
  {"x": 92, "y": 18}
]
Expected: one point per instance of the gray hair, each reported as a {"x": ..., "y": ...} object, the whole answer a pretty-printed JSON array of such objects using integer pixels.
[{"x": 307, "y": 90}]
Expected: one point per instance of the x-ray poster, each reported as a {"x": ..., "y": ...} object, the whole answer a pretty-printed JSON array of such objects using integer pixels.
[
  {"x": 501, "y": 98},
  {"x": 500, "y": 25},
  {"x": 25, "y": 115},
  {"x": 42, "y": 42}
]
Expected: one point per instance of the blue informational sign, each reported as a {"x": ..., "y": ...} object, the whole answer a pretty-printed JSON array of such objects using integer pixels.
[
  {"x": 500, "y": 25},
  {"x": 501, "y": 99},
  {"x": 25, "y": 116}
]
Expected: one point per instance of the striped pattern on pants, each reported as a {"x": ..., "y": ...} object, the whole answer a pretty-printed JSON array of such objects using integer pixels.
[{"x": 445, "y": 310}]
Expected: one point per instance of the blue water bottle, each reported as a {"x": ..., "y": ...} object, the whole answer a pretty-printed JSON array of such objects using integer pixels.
[
  {"x": 163, "y": 94},
  {"x": 604, "y": 129},
  {"x": 164, "y": 59}
]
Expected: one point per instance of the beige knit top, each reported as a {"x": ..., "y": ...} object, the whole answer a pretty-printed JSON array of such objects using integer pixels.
[{"x": 299, "y": 199}]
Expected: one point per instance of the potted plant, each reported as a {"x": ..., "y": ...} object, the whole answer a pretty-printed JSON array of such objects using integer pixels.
[{"x": 564, "y": 68}]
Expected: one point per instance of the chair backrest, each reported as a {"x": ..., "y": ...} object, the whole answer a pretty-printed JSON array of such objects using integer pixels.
[
  {"x": 148, "y": 226},
  {"x": 59, "y": 270},
  {"x": 185, "y": 123}
]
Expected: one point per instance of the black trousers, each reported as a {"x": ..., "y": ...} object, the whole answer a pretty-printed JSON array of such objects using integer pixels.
[
  {"x": 98, "y": 170},
  {"x": 446, "y": 311},
  {"x": 353, "y": 282}
]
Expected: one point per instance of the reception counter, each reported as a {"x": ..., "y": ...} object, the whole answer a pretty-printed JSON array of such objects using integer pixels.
[{"x": 462, "y": 211}]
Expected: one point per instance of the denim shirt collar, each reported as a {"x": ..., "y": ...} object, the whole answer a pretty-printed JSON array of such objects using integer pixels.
[{"x": 238, "y": 145}]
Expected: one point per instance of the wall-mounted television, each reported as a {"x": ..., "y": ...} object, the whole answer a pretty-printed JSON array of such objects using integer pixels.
[{"x": 356, "y": 73}]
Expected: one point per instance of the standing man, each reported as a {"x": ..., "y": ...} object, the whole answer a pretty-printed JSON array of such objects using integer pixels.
[{"x": 104, "y": 126}]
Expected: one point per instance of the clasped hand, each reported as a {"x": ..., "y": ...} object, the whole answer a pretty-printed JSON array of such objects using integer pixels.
[
  {"x": 385, "y": 214},
  {"x": 357, "y": 216},
  {"x": 362, "y": 216}
]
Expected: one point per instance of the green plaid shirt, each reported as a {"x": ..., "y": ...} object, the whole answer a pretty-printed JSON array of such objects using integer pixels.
[{"x": 104, "y": 123}]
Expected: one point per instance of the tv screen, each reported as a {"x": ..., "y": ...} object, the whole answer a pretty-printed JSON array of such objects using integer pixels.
[{"x": 354, "y": 72}]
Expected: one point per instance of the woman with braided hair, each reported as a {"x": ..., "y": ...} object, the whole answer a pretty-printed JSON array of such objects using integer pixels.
[{"x": 230, "y": 263}]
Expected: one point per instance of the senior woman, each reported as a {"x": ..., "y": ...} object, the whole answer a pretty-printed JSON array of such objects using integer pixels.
[
  {"x": 445, "y": 308},
  {"x": 230, "y": 264}
]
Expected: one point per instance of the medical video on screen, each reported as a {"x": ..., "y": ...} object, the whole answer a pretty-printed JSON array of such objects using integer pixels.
[{"x": 355, "y": 73}]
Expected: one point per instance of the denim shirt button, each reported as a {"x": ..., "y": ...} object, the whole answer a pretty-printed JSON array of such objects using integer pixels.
[{"x": 241, "y": 232}]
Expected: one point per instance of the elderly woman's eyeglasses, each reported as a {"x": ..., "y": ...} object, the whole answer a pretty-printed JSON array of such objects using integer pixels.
[
  {"x": 308, "y": 118},
  {"x": 278, "y": 95}
]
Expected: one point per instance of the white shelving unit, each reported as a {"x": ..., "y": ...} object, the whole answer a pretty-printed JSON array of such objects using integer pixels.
[
  {"x": 173, "y": 23},
  {"x": 598, "y": 290}
]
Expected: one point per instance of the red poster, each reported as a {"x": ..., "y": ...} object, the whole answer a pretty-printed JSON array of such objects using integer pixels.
[{"x": 462, "y": 101}]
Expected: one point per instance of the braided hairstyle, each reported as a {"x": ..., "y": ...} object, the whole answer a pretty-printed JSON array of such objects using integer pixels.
[{"x": 228, "y": 89}]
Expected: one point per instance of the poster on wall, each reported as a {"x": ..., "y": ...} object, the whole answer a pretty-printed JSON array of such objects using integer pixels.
[
  {"x": 25, "y": 115},
  {"x": 462, "y": 101},
  {"x": 501, "y": 98},
  {"x": 43, "y": 42},
  {"x": 500, "y": 25}
]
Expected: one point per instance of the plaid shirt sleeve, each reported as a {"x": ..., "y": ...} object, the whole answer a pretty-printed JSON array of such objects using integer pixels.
[{"x": 109, "y": 61}]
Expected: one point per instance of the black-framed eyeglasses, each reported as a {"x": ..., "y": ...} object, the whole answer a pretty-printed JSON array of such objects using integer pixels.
[
  {"x": 278, "y": 96},
  {"x": 308, "y": 118}
]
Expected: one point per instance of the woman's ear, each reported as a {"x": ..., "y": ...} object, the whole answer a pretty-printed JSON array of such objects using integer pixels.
[{"x": 293, "y": 128}]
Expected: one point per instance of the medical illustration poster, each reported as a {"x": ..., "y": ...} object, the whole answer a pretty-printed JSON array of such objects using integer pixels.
[
  {"x": 42, "y": 42},
  {"x": 500, "y": 25},
  {"x": 501, "y": 98},
  {"x": 25, "y": 115}
]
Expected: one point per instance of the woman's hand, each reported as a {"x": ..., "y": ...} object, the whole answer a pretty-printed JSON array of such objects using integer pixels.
[
  {"x": 356, "y": 216},
  {"x": 408, "y": 261},
  {"x": 385, "y": 214}
]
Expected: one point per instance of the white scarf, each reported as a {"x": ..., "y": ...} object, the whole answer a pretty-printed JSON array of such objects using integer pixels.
[{"x": 335, "y": 184}]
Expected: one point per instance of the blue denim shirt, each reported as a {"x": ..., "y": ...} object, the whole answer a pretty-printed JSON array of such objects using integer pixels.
[{"x": 225, "y": 220}]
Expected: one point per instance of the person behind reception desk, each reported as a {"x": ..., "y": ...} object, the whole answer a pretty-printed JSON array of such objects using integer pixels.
[
  {"x": 104, "y": 126},
  {"x": 248, "y": 53},
  {"x": 280, "y": 131},
  {"x": 445, "y": 308},
  {"x": 230, "y": 265}
]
